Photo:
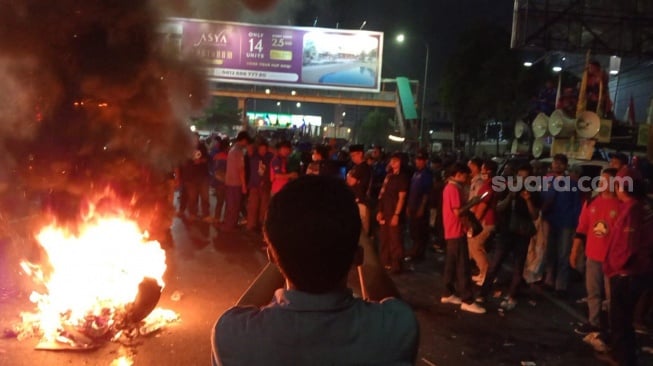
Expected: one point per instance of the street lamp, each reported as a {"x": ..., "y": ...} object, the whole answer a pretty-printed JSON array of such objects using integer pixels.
[{"x": 400, "y": 39}]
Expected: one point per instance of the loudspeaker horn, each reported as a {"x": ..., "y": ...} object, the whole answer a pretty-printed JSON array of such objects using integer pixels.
[
  {"x": 521, "y": 129},
  {"x": 560, "y": 125},
  {"x": 588, "y": 125},
  {"x": 519, "y": 147},
  {"x": 540, "y": 125},
  {"x": 540, "y": 148}
]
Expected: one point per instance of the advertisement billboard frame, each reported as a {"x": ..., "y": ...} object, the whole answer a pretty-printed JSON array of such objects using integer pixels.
[{"x": 275, "y": 55}]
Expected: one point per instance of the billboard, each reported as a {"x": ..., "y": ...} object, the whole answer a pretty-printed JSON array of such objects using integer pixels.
[
  {"x": 307, "y": 57},
  {"x": 288, "y": 120}
]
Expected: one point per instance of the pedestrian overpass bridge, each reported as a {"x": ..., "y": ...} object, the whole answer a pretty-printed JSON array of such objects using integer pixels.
[{"x": 399, "y": 94}]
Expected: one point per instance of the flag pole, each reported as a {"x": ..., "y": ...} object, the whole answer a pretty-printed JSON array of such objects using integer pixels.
[{"x": 582, "y": 97}]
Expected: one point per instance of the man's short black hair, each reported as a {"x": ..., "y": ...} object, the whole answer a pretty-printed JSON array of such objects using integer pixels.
[
  {"x": 458, "y": 167},
  {"x": 623, "y": 158},
  {"x": 527, "y": 167},
  {"x": 561, "y": 158},
  {"x": 322, "y": 150},
  {"x": 243, "y": 135},
  {"x": 313, "y": 225},
  {"x": 284, "y": 143},
  {"x": 491, "y": 165},
  {"x": 610, "y": 171},
  {"x": 476, "y": 161}
]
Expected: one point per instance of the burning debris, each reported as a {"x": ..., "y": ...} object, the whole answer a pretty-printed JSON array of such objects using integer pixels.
[
  {"x": 100, "y": 282},
  {"x": 90, "y": 100}
]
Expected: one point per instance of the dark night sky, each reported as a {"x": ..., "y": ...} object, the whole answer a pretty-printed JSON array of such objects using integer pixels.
[{"x": 437, "y": 22}]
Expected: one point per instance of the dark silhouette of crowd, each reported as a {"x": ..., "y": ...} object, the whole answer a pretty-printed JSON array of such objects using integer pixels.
[{"x": 413, "y": 204}]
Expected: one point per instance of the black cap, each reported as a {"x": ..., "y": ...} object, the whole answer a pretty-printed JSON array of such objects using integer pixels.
[
  {"x": 355, "y": 148},
  {"x": 243, "y": 135},
  {"x": 620, "y": 156}
]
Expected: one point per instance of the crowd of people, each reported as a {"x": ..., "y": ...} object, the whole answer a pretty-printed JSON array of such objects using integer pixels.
[{"x": 409, "y": 203}]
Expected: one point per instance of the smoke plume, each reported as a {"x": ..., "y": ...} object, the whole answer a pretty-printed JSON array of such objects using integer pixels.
[{"x": 88, "y": 100}]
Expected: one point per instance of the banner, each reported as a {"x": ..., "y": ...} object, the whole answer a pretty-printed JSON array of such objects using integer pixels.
[{"x": 276, "y": 55}]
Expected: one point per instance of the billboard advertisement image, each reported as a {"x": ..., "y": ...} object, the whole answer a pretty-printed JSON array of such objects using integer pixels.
[{"x": 276, "y": 55}]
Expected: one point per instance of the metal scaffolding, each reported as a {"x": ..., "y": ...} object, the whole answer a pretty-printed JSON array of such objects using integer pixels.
[{"x": 607, "y": 27}]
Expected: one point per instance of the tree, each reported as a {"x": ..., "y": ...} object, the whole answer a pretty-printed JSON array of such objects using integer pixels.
[
  {"x": 220, "y": 115},
  {"x": 484, "y": 80},
  {"x": 375, "y": 128}
]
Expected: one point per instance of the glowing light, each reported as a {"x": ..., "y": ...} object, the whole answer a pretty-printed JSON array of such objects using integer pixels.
[
  {"x": 293, "y": 92},
  {"x": 92, "y": 272},
  {"x": 396, "y": 138},
  {"x": 193, "y": 128},
  {"x": 528, "y": 64},
  {"x": 123, "y": 361},
  {"x": 556, "y": 69},
  {"x": 267, "y": 91},
  {"x": 96, "y": 279}
]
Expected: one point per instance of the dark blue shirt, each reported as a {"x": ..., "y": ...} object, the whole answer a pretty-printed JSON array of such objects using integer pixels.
[
  {"x": 565, "y": 205},
  {"x": 259, "y": 170},
  {"x": 420, "y": 186}
]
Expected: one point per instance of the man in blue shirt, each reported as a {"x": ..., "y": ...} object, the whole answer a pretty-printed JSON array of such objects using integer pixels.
[
  {"x": 560, "y": 209},
  {"x": 299, "y": 310},
  {"x": 417, "y": 208},
  {"x": 258, "y": 184}
]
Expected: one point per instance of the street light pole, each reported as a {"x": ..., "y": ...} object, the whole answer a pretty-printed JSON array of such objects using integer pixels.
[
  {"x": 400, "y": 38},
  {"x": 421, "y": 112}
]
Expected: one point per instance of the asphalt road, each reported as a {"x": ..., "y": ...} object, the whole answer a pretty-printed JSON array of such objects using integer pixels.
[{"x": 208, "y": 271}]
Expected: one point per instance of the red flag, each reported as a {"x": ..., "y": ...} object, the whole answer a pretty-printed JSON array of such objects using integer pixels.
[{"x": 630, "y": 112}]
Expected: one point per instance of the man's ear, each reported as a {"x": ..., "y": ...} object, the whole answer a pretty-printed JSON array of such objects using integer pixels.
[{"x": 358, "y": 256}]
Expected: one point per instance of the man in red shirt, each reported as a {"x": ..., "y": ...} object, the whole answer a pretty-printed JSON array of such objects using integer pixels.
[
  {"x": 619, "y": 161},
  {"x": 628, "y": 264},
  {"x": 595, "y": 224},
  {"x": 457, "y": 264}
]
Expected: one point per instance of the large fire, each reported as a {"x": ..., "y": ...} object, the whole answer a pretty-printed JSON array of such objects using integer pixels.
[{"x": 93, "y": 280}]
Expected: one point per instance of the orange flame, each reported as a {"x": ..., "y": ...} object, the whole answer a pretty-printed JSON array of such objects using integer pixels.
[{"x": 94, "y": 272}]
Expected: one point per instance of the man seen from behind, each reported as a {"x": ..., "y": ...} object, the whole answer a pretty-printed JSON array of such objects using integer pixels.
[{"x": 299, "y": 310}]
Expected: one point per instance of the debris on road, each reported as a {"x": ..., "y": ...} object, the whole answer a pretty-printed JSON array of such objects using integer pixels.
[{"x": 429, "y": 363}]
